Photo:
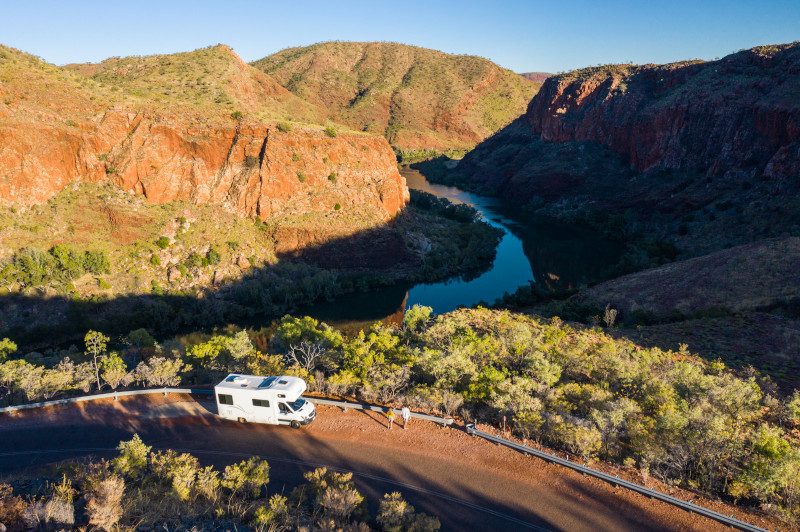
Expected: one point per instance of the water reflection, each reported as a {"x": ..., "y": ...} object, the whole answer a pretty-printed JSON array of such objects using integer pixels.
[{"x": 563, "y": 257}]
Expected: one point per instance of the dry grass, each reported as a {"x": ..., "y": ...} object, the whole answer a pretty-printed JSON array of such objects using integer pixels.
[
  {"x": 417, "y": 98},
  {"x": 213, "y": 80}
]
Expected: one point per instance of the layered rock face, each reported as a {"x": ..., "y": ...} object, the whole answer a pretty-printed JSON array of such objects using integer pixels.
[
  {"x": 737, "y": 114},
  {"x": 706, "y": 154},
  {"x": 250, "y": 169},
  {"x": 152, "y": 126}
]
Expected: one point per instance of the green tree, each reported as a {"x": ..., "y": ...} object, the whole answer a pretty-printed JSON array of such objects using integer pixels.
[
  {"x": 7, "y": 347},
  {"x": 246, "y": 478},
  {"x": 114, "y": 372},
  {"x": 133, "y": 457},
  {"x": 96, "y": 344}
]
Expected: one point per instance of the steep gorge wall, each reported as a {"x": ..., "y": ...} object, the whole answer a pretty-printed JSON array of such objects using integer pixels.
[
  {"x": 250, "y": 169},
  {"x": 740, "y": 114}
]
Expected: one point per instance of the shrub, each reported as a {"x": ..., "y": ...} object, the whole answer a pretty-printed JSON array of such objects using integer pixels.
[
  {"x": 156, "y": 288},
  {"x": 102, "y": 284},
  {"x": 396, "y": 515},
  {"x": 133, "y": 457},
  {"x": 160, "y": 371},
  {"x": 246, "y": 478},
  {"x": 104, "y": 499},
  {"x": 275, "y": 516},
  {"x": 301, "y": 176},
  {"x": 335, "y": 494},
  {"x": 337, "y": 207},
  {"x": 195, "y": 260},
  {"x": 154, "y": 260},
  {"x": 237, "y": 115},
  {"x": 114, "y": 372},
  {"x": 179, "y": 469},
  {"x": 12, "y": 507},
  {"x": 332, "y": 177},
  {"x": 96, "y": 262},
  {"x": 213, "y": 256},
  {"x": 162, "y": 242},
  {"x": 7, "y": 347},
  {"x": 284, "y": 127},
  {"x": 330, "y": 131}
]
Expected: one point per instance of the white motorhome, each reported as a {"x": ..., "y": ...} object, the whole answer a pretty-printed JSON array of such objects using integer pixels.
[{"x": 273, "y": 400}]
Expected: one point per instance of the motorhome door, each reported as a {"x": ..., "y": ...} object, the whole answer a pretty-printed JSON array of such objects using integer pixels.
[{"x": 264, "y": 411}]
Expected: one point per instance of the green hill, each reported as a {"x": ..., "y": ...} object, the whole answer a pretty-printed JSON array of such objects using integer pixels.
[
  {"x": 418, "y": 98},
  {"x": 212, "y": 80}
]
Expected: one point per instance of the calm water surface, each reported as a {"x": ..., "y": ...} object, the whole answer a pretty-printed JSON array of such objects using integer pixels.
[{"x": 538, "y": 250}]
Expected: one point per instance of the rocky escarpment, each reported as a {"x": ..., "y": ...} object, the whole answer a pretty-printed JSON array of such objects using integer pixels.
[
  {"x": 251, "y": 169},
  {"x": 58, "y": 128},
  {"x": 740, "y": 114},
  {"x": 706, "y": 154}
]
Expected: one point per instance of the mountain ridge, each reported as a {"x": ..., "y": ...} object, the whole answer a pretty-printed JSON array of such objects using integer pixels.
[
  {"x": 417, "y": 97},
  {"x": 704, "y": 152}
]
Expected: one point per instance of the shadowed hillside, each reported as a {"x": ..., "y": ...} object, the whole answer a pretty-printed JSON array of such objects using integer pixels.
[
  {"x": 704, "y": 153},
  {"x": 419, "y": 99}
]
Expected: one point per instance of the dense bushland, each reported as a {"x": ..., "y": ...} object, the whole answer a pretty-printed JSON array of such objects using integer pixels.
[
  {"x": 165, "y": 489},
  {"x": 667, "y": 413},
  {"x": 31, "y": 267}
]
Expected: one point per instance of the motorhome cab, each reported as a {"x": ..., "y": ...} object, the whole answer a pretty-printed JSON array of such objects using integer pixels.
[{"x": 273, "y": 400}]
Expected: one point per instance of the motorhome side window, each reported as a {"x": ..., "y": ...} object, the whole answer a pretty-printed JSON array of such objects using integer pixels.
[
  {"x": 225, "y": 399},
  {"x": 260, "y": 402},
  {"x": 283, "y": 408}
]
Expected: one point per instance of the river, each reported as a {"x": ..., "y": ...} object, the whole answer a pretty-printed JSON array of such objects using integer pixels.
[{"x": 536, "y": 250}]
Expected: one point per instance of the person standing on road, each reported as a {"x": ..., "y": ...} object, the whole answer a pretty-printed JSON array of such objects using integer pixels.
[
  {"x": 406, "y": 414},
  {"x": 390, "y": 415}
]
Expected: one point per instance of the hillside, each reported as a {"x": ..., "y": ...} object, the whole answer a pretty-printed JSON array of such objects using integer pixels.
[
  {"x": 213, "y": 80},
  {"x": 536, "y": 77},
  {"x": 703, "y": 153},
  {"x": 127, "y": 189},
  {"x": 741, "y": 305},
  {"x": 756, "y": 276},
  {"x": 419, "y": 99},
  {"x": 163, "y": 127}
]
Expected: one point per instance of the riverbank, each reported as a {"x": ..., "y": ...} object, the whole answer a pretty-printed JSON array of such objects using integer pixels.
[{"x": 213, "y": 268}]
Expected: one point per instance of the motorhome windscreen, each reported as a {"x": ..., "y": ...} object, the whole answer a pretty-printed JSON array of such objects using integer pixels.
[{"x": 297, "y": 404}]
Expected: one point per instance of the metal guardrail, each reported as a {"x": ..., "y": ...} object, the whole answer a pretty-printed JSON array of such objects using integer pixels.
[
  {"x": 616, "y": 481},
  {"x": 203, "y": 391},
  {"x": 109, "y": 395},
  {"x": 444, "y": 421}
]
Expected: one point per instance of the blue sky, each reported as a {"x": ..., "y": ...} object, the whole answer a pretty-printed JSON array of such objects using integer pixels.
[{"x": 522, "y": 35}]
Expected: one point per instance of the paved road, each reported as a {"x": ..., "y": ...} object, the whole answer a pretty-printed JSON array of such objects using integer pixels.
[{"x": 465, "y": 496}]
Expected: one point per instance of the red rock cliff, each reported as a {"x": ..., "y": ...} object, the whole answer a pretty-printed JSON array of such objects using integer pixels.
[
  {"x": 738, "y": 114},
  {"x": 251, "y": 169}
]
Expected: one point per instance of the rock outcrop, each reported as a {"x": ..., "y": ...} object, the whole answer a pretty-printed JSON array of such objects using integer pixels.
[
  {"x": 738, "y": 114},
  {"x": 58, "y": 128},
  {"x": 251, "y": 169},
  {"x": 706, "y": 154}
]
